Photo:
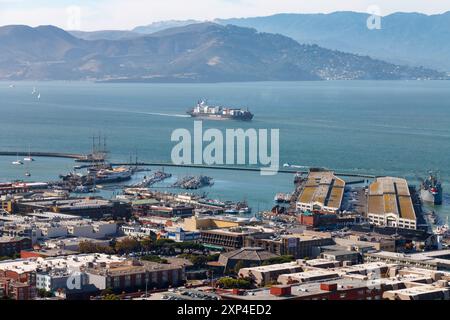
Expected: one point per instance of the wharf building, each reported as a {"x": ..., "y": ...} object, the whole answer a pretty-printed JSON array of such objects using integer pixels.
[
  {"x": 390, "y": 204},
  {"x": 322, "y": 192}
]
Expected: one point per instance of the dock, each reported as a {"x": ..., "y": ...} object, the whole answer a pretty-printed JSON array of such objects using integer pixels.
[
  {"x": 77, "y": 156},
  {"x": 43, "y": 154}
]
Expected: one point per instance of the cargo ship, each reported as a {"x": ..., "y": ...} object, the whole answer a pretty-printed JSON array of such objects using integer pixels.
[
  {"x": 431, "y": 190},
  {"x": 203, "y": 110}
]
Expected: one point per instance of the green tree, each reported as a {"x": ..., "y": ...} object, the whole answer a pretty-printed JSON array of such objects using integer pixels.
[
  {"x": 231, "y": 283},
  {"x": 280, "y": 259},
  {"x": 147, "y": 244},
  {"x": 127, "y": 245},
  {"x": 110, "y": 297},
  {"x": 154, "y": 258},
  {"x": 42, "y": 293}
]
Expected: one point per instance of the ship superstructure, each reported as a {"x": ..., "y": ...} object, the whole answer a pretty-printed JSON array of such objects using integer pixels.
[
  {"x": 431, "y": 189},
  {"x": 203, "y": 110}
]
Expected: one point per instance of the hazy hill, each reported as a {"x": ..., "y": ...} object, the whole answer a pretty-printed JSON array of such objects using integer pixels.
[
  {"x": 200, "y": 52},
  {"x": 404, "y": 38}
]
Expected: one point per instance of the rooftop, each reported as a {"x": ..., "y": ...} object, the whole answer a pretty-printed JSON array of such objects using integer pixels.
[
  {"x": 389, "y": 195},
  {"x": 323, "y": 187}
]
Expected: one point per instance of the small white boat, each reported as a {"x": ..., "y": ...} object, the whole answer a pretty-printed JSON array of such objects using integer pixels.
[
  {"x": 34, "y": 90},
  {"x": 39, "y": 96},
  {"x": 17, "y": 162},
  {"x": 27, "y": 174},
  {"x": 29, "y": 158}
]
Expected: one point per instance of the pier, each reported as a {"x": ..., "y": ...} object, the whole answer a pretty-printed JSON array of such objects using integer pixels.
[
  {"x": 236, "y": 168},
  {"x": 77, "y": 156},
  {"x": 43, "y": 154}
]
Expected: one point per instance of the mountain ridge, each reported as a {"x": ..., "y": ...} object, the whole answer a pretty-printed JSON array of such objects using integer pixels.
[{"x": 203, "y": 52}]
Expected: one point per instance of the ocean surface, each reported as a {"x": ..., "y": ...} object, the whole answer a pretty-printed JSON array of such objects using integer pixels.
[{"x": 399, "y": 128}]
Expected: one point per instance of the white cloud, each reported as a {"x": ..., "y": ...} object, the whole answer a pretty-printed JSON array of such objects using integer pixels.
[{"x": 126, "y": 14}]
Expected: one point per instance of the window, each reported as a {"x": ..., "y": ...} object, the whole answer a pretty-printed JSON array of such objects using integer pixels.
[
  {"x": 116, "y": 282},
  {"x": 138, "y": 279}
]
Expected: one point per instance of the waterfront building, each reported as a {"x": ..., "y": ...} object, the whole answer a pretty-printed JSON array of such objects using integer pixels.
[
  {"x": 322, "y": 192},
  {"x": 390, "y": 204}
]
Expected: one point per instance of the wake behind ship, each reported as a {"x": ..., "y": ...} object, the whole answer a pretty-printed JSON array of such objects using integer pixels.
[{"x": 202, "y": 110}]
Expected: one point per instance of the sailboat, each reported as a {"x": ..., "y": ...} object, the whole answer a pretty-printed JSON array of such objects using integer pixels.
[
  {"x": 17, "y": 162},
  {"x": 39, "y": 96},
  {"x": 29, "y": 158},
  {"x": 34, "y": 90}
]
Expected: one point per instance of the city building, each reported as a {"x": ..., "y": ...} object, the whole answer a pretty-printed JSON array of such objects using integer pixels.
[
  {"x": 322, "y": 192},
  {"x": 150, "y": 207},
  {"x": 196, "y": 223},
  {"x": 178, "y": 234},
  {"x": 228, "y": 239},
  {"x": 307, "y": 276},
  {"x": 93, "y": 208},
  {"x": 438, "y": 291},
  {"x": 390, "y": 203},
  {"x": 432, "y": 260},
  {"x": 136, "y": 275},
  {"x": 48, "y": 225},
  {"x": 298, "y": 245},
  {"x": 246, "y": 256},
  {"x": 12, "y": 245},
  {"x": 15, "y": 290},
  {"x": 263, "y": 275}
]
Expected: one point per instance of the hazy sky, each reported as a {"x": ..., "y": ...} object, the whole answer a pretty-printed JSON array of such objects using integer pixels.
[{"x": 126, "y": 14}]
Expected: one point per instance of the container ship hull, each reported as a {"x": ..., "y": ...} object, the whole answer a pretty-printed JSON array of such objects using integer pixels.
[
  {"x": 220, "y": 117},
  {"x": 204, "y": 111}
]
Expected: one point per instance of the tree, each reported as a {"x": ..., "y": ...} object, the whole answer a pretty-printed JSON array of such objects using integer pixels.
[
  {"x": 280, "y": 259},
  {"x": 238, "y": 266},
  {"x": 90, "y": 247},
  {"x": 213, "y": 257},
  {"x": 231, "y": 283},
  {"x": 127, "y": 246},
  {"x": 154, "y": 258},
  {"x": 111, "y": 297},
  {"x": 42, "y": 293},
  {"x": 107, "y": 291},
  {"x": 147, "y": 244}
]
